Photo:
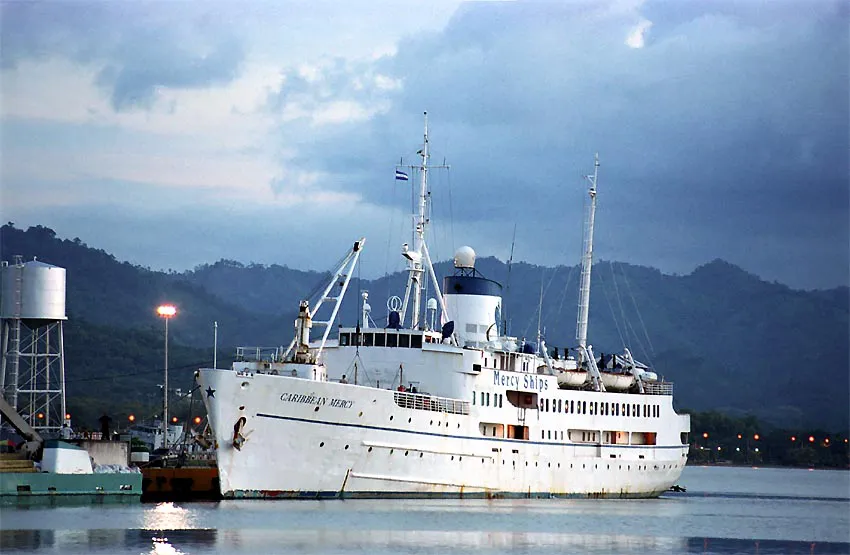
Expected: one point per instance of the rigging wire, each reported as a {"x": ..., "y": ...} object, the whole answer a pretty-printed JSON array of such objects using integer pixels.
[
  {"x": 611, "y": 307},
  {"x": 637, "y": 310}
]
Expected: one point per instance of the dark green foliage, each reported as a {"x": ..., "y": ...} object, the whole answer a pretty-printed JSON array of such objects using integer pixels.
[{"x": 720, "y": 438}]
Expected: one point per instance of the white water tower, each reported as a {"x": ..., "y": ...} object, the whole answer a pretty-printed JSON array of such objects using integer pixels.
[{"x": 32, "y": 358}]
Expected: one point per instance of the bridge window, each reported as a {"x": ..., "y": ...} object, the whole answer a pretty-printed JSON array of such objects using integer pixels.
[
  {"x": 379, "y": 340},
  {"x": 392, "y": 340},
  {"x": 344, "y": 339},
  {"x": 415, "y": 341},
  {"x": 404, "y": 341},
  {"x": 368, "y": 339}
]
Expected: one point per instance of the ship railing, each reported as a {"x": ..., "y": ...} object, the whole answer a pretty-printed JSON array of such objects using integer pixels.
[
  {"x": 258, "y": 354},
  {"x": 658, "y": 388},
  {"x": 420, "y": 401}
]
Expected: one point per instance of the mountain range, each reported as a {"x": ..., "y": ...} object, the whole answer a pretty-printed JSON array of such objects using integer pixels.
[{"x": 729, "y": 340}]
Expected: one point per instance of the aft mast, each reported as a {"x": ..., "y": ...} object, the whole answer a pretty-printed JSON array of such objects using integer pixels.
[{"x": 584, "y": 294}]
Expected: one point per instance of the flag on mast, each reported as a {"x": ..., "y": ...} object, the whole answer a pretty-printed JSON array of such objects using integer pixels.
[{"x": 401, "y": 176}]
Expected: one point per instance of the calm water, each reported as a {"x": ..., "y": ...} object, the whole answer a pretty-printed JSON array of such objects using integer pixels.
[{"x": 726, "y": 510}]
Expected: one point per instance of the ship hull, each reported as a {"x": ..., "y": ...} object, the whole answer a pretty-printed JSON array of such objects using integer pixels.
[{"x": 279, "y": 437}]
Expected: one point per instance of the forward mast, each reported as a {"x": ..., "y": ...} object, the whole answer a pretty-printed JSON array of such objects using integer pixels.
[{"x": 418, "y": 258}]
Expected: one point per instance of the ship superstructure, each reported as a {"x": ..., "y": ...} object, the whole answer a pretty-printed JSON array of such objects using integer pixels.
[{"x": 440, "y": 402}]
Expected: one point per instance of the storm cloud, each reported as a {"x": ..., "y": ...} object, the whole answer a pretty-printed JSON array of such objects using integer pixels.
[{"x": 722, "y": 128}]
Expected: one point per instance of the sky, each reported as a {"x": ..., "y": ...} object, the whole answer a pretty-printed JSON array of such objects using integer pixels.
[{"x": 173, "y": 134}]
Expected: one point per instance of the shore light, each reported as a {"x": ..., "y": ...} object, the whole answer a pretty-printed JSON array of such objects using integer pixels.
[
  {"x": 67, "y": 416},
  {"x": 756, "y": 437},
  {"x": 740, "y": 436},
  {"x": 132, "y": 418},
  {"x": 793, "y": 438},
  {"x": 166, "y": 312},
  {"x": 705, "y": 435},
  {"x": 811, "y": 439},
  {"x": 197, "y": 420}
]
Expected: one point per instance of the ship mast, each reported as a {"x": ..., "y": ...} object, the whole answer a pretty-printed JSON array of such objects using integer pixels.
[
  {"x": 587, "y": 262},
  {"x": 584, "y": 349},
  {"x": 418, "y": 257}
]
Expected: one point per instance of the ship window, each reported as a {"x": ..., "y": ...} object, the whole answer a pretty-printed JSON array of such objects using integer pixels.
[
  {"x": 404, "y": 341},
  {"x": 473, "y": 397},
  {"x": 482, "y": 398},
  {"x": 547, "y": 405},
  {"x": 591, "y": 407},
  {"x": 379, "y": 340},
  {"x": 550, "y": 434},
  {"x": 501, "y": 399},
  {"x": 344, "y": 339},
  {"x": 416, "y": 341},
  {"x": 542, "y": 434},
  {"x": 560, "y": 406},
  {"x": 367, "y": 339},
  {"x": 488, "y": 399},
  {"x": 392, "y": 340},
  {"x": 572, "y": 407}
]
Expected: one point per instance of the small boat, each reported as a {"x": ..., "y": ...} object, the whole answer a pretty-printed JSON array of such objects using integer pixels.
[
  {"x": 616, "y": 381},
  {"x": 571, "y": 378}
]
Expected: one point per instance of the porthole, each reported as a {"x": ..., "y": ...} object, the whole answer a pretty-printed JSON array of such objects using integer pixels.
[
  {"x": 550, "y": 465},
  {"x": 391, "y": 417},
  {"x": 432, "y": 422},
  {"x": 526, "y": 463},
  {"x": 409, "y": 420},
  {"x": 361, "y": 414},
  {"x": 453, "y": 457},
  {"x": 346, "y": 447},
  {"x": 405, "y": 453},
  {"x": 316, "y": 409},
  {"x": 420, "y": 455},
  {"x": 460, "y": 458},
  {"x": 391, "y": 451},
  {"x": 370, "y": 449},
  {"x": 242, "y": 407},
  {"x": 244, "y": 385},
  {"x": 322, "y": 444}
]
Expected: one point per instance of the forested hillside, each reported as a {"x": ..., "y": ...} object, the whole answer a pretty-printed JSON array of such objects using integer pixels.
[{"x": 729, "y": 340}]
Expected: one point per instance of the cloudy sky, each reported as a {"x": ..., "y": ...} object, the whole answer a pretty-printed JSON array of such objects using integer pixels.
[{"x": 175, "y": 133}]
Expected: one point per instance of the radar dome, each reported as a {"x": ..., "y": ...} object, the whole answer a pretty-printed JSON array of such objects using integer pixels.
[{"x": 465, "y": 258}]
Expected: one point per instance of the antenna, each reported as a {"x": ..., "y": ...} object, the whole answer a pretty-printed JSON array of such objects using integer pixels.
[{"x": 508, "y": 284}]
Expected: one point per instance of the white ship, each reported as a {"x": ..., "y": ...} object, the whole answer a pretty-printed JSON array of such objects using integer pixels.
[{"x": 439, "y": 402}]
